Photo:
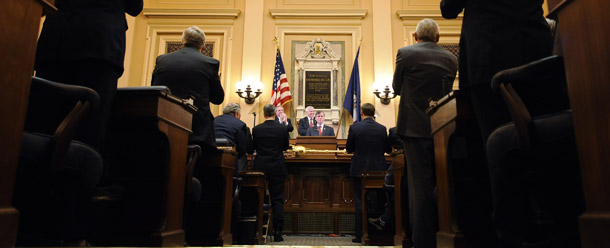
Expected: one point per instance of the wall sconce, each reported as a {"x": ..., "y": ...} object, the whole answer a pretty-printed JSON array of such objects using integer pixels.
[
  {"x": 249, "y": 95},
  {"x": 384, "y": 97}
]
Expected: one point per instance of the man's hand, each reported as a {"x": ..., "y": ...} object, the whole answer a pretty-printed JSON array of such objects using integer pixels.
[{"x": 283, "y": 118}]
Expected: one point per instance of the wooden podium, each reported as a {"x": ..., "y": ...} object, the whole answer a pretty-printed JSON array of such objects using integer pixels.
[
  {"x": 464, "y": 202},
  {"x": 19, "y": 27},
  {"x": 146, "y": 155},
  {"x": 587, "y": 59}
]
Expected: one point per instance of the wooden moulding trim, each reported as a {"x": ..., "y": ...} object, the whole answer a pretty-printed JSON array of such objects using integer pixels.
[
  {"x": 200, "y": 13},
  {"x": 318, "y": 13},
  {"x": 421, "y": 14}
]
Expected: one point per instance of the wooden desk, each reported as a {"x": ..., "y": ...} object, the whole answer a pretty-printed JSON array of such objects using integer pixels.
[
  {"x": 371, "y": 180},
  {"x": 210, "y": 218},
  {"x": 256, "y": 180},
  {"x": 587, "y": 59},
  {"x": 147, "y": 153},
  {"x": 20, "y": 21},
  {"x": 463, "y": 191}
]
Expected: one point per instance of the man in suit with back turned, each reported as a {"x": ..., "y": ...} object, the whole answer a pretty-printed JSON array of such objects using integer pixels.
[
  {"x": 308, "y": 121},
  {"x": 84, "y": 44},
  {"x": 270, "y": 140},
  {"x": 319, "y": 129},
  {"x": 423, "y": 71},
  {"x": 190, "y": 74},
  {"x": 368, "y": 140}
]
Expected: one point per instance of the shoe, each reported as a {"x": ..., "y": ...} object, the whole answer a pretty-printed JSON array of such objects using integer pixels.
[
  {"x": 357, "y": 240},
  {"x": 377, "y": 223},
  {"x": 277, "y": 238}
]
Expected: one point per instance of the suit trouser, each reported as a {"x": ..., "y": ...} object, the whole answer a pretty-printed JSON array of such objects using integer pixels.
[
  {"x": 423, "y": 214},
  {"x": 276, "y": 191}
]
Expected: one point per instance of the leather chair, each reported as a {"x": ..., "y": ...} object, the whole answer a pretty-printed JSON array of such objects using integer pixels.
[
  {"x": 56, "y": 174},
  {"x": 535, "y": 177}
]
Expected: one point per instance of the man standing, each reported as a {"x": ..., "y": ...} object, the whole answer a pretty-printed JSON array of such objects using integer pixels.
[
  {"x": 281, "y": 118},
  {"x": 229, "y": 126},
  {"x": 270, "y": 141},
  {"x": 319, "y": 129},
  {"x": 368, "y": 140},
  {"x": 307, "y": 121},
  {"x": 423, "y": 71},
  {"x": 84, "y": 44},
  {"x": 188, "y": 73}
]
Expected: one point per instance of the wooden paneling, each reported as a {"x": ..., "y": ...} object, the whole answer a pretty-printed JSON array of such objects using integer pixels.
[
  {"x": 19, "y": 23},
  {"x": 584, "y": 26}
]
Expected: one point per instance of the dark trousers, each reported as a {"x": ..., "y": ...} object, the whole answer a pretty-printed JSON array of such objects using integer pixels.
[
  {"x": 276, "y": 191},
  {"x": 423, "y": 214},
  {"x": 358, "y": 205},
  {"x": 489, "y": 108},
  {"x": 98, "y": 75}
]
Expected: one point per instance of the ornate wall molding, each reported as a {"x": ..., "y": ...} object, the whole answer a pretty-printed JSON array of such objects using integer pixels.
[
  {"x": 318, "y": 13},
  {"x": 199, "y": 13}
]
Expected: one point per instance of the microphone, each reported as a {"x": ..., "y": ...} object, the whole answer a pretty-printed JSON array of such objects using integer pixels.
[{"x": 254, "y": 119}]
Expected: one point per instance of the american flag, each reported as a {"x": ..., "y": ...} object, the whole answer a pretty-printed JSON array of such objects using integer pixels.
[{"x": 281, "y": 89}]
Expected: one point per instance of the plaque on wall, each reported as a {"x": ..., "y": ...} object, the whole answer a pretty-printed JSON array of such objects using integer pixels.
[{"x": 317, "y": 89}]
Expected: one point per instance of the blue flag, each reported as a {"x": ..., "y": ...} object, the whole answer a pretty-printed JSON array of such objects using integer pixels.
[{"x": 352, "y": 96}]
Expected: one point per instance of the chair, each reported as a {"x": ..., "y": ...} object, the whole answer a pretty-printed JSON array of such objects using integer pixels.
[
  {"x": 56, "y": 174},
  {"x": 533, "y": 161}
]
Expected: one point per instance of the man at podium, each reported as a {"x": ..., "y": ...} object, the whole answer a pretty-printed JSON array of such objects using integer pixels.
[{"x": 320, "y": 129}]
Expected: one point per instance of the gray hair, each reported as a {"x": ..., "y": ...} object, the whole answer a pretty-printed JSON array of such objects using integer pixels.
[
  {"x": 193, "y": 37},
  {"x": 308, "y": 108},
  {"x": 231, "y": 108},
  {"x": 269, "y": 110},
  {"x": 427, "y": 30}
]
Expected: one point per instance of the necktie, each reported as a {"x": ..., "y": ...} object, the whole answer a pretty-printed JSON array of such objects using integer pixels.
[
  {"x": 310, "y": 122},
  {"x": 320, "y": 129}
]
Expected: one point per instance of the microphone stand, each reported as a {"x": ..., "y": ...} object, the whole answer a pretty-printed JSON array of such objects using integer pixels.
[{"x": 254, "y": 119}]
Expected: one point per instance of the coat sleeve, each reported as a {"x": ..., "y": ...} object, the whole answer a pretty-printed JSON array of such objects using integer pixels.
[
  {"x": 133, "y": 7},
  {"x": 450, "y": 9},
  {"x": 397, "y": 80},
  {"x": 217, "y": 94},
  {"x": 349, "y": 145}
]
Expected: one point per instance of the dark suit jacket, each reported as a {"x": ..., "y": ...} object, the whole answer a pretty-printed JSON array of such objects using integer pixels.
[
  {"x": 423, "y": 71},
  {"x": 270, "y": 141},
  {"x": 326, "y": 131},
  {"x": 289, "y": 126},
  {"x": 86, "y": 29},
  {"x": 236, "y": 131},
  {"x": 304, "y": 125},
  {"x": 368, "y": 140},
  {"x": 189, "y": 73},
  {"x": 498, "y": 34}
]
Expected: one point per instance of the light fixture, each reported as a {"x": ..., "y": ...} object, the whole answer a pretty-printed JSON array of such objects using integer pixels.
[
  {"x": 249, "y": 95},
  {"x": 384, "y": 97}
]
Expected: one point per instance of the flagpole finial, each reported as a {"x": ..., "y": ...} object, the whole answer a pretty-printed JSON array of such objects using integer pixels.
[{"x": 277, "y": 42}]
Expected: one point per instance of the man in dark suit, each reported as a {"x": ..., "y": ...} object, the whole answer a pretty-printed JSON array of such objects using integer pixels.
[
  {"x": 281, "y": 118},
  {"x": 308, "y": 121},
  {"x": 229, "y": 126},
  {"x": 368, "y": 140},
  {"x": 319, "y": 129},
  {"x": 496, "y": 35},
  {"x": 423, "y": 71},
  {"x": 190, "y": 74},
  {"x": 270, "y": 141},
  {"x": 84, "y": 44}
]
